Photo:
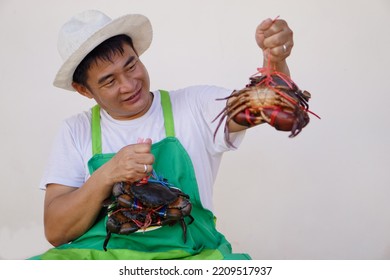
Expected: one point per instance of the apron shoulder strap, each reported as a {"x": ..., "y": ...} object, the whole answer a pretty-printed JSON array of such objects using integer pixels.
[
  {"x": 168, "y": 114},
  {"x": 96, "y": 130}
]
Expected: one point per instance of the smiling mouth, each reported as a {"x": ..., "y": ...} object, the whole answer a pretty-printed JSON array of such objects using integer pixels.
[{"x": 138, "y": 93}]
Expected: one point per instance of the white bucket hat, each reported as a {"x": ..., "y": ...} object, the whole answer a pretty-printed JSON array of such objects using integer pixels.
[{"x": 85, "y": 31}]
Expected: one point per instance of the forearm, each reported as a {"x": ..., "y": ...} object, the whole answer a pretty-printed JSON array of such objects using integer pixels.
[
  {"x": 278, "y": 67},
  {"x": 69, "y": 212}
]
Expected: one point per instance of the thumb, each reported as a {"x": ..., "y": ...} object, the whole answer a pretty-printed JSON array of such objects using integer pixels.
[
  {"x": 146, "y": 140},
  {"x": 265, "y": 24}
]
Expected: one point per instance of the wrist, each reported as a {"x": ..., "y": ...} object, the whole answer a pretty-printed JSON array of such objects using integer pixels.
[
  {"x": 102, "y": 178},
  {"x": 280, "y": 66}
]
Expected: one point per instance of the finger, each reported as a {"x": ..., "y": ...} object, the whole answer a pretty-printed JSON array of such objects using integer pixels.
[
  {"x": 281, "y": 51},
  {"x": 135, "y": 154},
  {"x": 278, "y": 40},
  {"x": 264, "y": 25},
  {"x": 261, "y": 28},
  {"x": 147, "y": 142},
  {"x": 144, "y": 147},
  {"x": 275, "y": 36},
  {"x": 145, "y": 159},
  {"x": 137, "y": 171},
  {"x": 277, "y": 26},
  {"x": 147, "y": 168}
]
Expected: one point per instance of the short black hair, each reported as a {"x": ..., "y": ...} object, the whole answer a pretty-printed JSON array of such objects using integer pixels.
[{"x": 104, "y": 51}]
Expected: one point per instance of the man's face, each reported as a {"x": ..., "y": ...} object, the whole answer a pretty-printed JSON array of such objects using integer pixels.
[{"x": 120, "y": 86}]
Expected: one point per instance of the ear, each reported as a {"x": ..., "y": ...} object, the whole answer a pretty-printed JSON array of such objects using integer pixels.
[{"x": 83, "y": 90}]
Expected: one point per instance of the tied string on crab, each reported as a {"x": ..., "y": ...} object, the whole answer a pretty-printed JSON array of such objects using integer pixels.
[
  {"x": 143, "y": 225},
  {"x": 265, "y": 71},
  {"x": 269, "y": 71},
  {"x": 138, "y": 207},
  {"x": 152, "y": 177},
  {"x": 269, "y": 82},
  {"x": 255, "y": 111}
]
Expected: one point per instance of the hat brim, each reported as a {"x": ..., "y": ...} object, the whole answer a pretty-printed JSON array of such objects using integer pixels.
[{"x": 137, "y": 27}]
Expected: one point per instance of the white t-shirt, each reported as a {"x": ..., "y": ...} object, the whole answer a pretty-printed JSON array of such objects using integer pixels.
[{"x": 194, "y": 109}]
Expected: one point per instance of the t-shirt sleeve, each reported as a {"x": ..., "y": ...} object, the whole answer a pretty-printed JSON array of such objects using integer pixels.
[
  {"x": 65, "y": 164},
  {"x": 211, "y": 102}
]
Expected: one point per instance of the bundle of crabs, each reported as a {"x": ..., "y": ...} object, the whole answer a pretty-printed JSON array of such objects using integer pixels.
[{"x": 147, "y": 203}]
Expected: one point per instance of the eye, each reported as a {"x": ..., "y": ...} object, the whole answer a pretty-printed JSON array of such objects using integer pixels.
[
  {"x": 109, "y": 83},
  {"x": 132, "y": 66}
]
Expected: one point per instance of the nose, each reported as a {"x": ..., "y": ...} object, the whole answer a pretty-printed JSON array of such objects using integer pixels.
[{"x": 127, "y": 84}]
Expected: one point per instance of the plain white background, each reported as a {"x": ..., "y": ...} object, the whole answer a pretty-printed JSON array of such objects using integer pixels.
[{"x": 322, "y": 195}]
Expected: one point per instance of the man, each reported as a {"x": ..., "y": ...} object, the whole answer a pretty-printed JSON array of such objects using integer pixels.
[{"x": 96, "y": 149}]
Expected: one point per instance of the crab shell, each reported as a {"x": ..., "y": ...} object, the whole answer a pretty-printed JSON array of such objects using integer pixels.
[{"x": 150, "y": 195}]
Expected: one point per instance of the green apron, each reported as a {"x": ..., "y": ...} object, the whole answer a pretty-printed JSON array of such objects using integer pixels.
[{"x": 173, "y": 163}]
